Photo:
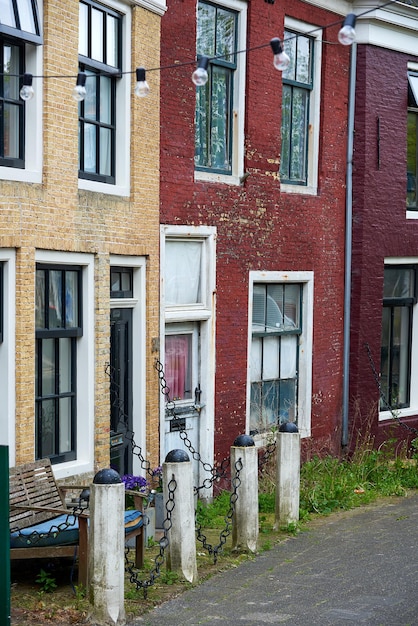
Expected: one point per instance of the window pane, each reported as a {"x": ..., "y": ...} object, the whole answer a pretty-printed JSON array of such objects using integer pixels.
[
  {"x": 412, "y": 165},
  {"x": 105, "y": 99},
  {"x": 385, "y": 356},
  {"x": 89, "y": 148},
  {"x": 303, "y": 68},
  {"x": 55, "y": 299},
  {"x": 90, "y": 102},
  {"x": 292, "y": 307},
  {"x": 399, "y": 282},
  {"x": 71, "y": 299},
  {"x": 6, "y": 12},
  {"x": 183, "y": 272},
  {"x": 286, "y": 128},
  {"x": 299, "y": 135},
  {"x": 287, "y": 406},
  {"x": 206, "y": 24},
  {"x": 274, "y": 317},
  {"x": 259, "y": 307},
  {"x": 256, "y": 359},
  {"x": 288, "y": 356},
  {"x": 65, "y": 365},
  {"x": 290, "y": 48},
  {"x": 25, "y": 10},
  {"x": 271, "y": 358},
  {"x": 112, "y": 41},
  {"x": 47, "y": 428},
  {"x": 83, "y": 47},
  {"x": 202, "y": 126},
  {"x": 105, "y": 151},
  {"x": 178, "y": 361},
  {"x": 64, "y": 425},
  {"x": 48, "y": 367},
  {"x": 11, "y": 130},
  {"x": 96, "y": 34},
  {"x": 11, "y": 65},
  {"x": 220, "y": 118},
  {"x": 40, "y": 299},
  {"x": 400, "y": 358},
  {"x": 225, "y": 34}
]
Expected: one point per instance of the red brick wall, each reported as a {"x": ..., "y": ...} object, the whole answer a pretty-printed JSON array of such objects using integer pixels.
[
  {"x": 258, "y": 227},
  {"x": 380, "y": 227}
]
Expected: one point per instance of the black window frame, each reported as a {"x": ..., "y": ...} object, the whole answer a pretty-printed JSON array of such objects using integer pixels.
[
  {"x": 412, "y": 176},
  {"x": 16, "y": 32},
  {"x": 387, "y": 401},
  {"x": 121, "y": 293},
  {"x": 97, "y": 71},
  {"x": 56, "y": 334},
  {"x": 6, "y": 161}
]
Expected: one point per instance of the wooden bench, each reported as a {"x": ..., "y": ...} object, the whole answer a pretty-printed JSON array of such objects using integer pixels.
[{"x": 41, "y": 526}]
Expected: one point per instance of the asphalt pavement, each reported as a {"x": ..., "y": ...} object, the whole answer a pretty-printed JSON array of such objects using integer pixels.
[{"x": 353, "y": 567}]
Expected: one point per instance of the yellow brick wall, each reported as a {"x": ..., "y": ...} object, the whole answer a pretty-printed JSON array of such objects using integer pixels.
[{"x": 55, "y": 215}]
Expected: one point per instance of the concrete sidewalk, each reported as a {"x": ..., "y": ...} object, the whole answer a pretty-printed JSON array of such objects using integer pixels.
[{"x": 355, "y": 567}]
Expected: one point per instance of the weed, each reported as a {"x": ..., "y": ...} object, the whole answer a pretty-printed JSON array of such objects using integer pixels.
[{"x": 47, "y": 582}]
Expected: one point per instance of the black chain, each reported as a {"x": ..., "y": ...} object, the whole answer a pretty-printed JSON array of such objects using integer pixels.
[
  {"x": 386, "y": 404},
  {"x": 217, "y": 473},
  {"x": 269, "y": 451},
  {"x": 214, "y": 550},
  {"x": 163, "y": 545},
  {"x": 34, "y": 537}
]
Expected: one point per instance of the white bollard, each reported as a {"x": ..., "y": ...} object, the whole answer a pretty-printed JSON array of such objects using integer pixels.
[
  {"x": 107, "y": 550},
  {"x": 181, "y": 551},
  {"x": 245, "y": 519},
  {"x": 288, "y": 477}
]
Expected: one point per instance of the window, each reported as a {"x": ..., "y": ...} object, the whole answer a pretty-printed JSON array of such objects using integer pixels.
[
  {"x": 58, "y": 324},
  {"x": 19, "y": 25},
  {"x": 276, "y": 325},
  {"x": 412, "y": 143},
  {"x": 399, "y": 298},
  {"x": 220, "y": 103},
  {"x": 100, "y": 56},
  {"x": 300, "y": 110},
  {"x": 280, "y": 350}
]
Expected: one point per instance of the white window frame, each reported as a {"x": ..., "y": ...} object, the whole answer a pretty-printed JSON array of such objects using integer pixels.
[
  {"x": 306, "y": 279},
  {"x": 204, "y": 314},
  {"x": 413, "y": 388},
  {"x": 311, "y": 188},
  {"x": 84, "y": 461},
  {"x": 138, "y": 306},
  {"x": 238, "y": 108},
  {"x": 32, "y": 172},
  {"x": 7, "y": 355},
  {"x": 123, "y": 114}
]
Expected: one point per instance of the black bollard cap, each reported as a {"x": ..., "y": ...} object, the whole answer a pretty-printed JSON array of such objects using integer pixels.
[
  {"x": 288, "y": 427},
  {"x": 177, "y": 456},
  {"x": 107, "y": 476},
  {"x": 244, "y": 441}
]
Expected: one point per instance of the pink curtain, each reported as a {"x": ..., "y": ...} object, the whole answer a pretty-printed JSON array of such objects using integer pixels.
[{"x": 176, "y": 365}]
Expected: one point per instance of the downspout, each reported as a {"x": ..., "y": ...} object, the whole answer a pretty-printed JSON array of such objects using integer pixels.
[{"x": 348, "y": 242}]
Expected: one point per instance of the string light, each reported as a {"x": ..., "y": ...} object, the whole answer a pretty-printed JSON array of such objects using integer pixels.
[
  {"x": 27, "y": 92},
  {"x": 141, "y": 88},
  {"x": 346, "y": 36},
  {"x": 79, "y": 91},
  {"x": 200, "y": 75},
  {"x": 280, "y": 59}
]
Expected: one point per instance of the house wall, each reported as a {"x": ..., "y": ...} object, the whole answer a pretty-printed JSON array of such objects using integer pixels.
[
  {"x": 56, "y": 215},
  {"x": 258, "y": 226},
  {"x": 380, "y": 225}
]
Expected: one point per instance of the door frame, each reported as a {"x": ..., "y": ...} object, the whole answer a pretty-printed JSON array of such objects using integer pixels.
[
  {"x": 138, "y": 306},
  {"x": 205, "y": 315}
]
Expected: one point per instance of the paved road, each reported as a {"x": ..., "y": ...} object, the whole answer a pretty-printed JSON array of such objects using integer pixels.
[{"x": 356, "y": 567}]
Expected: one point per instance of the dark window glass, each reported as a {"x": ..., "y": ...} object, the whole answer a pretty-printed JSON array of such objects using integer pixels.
[
  {"x": 121, "y": 282},
  {"x": 412, "y": 144},
  {"x": 12, "y": 107}
]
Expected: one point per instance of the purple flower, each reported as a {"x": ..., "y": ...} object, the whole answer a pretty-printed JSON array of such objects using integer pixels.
[{"x": 137, "y": 483}]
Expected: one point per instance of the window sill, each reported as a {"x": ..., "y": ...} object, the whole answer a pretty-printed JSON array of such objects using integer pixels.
[
  {"x": 384, "y": 416},
  {"x": 411, "y": 215},
  {"x": 20, "y": 175},
  {"x": 299, "y": 189},
  {"x": 71, "y": 468},
  {"x": 111, "y": 190},
  {"x": 216, "y": 178}
]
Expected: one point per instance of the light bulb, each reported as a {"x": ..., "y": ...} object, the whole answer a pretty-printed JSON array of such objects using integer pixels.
[
  {"x": 280, "y": 59},
  {"x": 141, "y": 88},
  {"x": 27, "y": 92},
  {"x": 79, "y": 91},
  {"x": 347, "y": 34},
  {"x": 200, "y": 75}
]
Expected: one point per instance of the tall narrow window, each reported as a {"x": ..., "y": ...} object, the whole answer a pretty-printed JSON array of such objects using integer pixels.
[
  {"x": 412, "y": 143},
  {"x": 19, "y": 24},
  {"x": 58, "y": 324},
  {"x": 100, "y": 58},
  {"x": 399, "y": 298},
  {"x": 297, "y": 88},
  {"x": 274, "y": 359},
  {"x": 217, "y": 39}
]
